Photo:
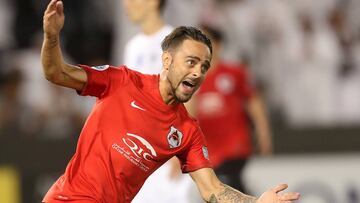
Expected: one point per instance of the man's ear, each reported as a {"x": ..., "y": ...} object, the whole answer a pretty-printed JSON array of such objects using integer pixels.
[{"x": 166, "y": 60}]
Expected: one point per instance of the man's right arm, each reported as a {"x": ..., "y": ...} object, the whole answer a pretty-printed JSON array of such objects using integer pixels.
[{"x": 55, "y": 69}]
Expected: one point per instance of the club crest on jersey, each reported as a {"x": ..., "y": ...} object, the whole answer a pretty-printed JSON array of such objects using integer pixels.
[
  {"x": 174, "y": 137},
  {"x": 100, "y": 68}
]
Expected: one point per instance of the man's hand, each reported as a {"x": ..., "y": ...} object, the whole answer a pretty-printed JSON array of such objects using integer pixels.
[
  {"x": 54, "y": 67},
  {"x": 54, "y": 18},
  {"x": 272, "y": 195}
]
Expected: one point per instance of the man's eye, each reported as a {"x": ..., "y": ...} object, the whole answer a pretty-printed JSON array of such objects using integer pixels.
[
  {"x": 190, "y": 62},
  {"x": 204, "y": 68}
]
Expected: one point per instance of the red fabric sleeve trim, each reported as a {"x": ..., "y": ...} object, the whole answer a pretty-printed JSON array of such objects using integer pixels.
[
  {"x": 97, "y": 82},
  {"x": 200, "y": 166},
  {"x": 89, "y": 78}
]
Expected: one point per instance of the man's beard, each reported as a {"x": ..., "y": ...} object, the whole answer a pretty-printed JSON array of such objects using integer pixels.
[
  {"x": 179, "y": 97},
  {"x": 182, "y": 99}
]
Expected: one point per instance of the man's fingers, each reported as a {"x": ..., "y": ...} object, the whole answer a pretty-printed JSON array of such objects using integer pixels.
[
  {"x": 279, "y": 188},
  {"x": 51, "y": 6},
  {"x": 290, "y": 196},
  {"x": 48, "y": 15},
  {"x": 59, "y": 7}
]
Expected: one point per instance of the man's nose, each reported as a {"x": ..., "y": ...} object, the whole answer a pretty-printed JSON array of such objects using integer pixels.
[{"x": 197, "y": 71}]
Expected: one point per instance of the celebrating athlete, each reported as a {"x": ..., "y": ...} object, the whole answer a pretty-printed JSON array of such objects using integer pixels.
[{"x": 137, "y": 123}]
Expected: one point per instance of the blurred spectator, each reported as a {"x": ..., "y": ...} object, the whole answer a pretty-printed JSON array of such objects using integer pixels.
[
  {"x": 186, "y": 12},
  {"x": 262, "y": 34},
  {"x": 352, "y": 14},
  {"x": 295, "y": 53},
  {"x": 35, "y": 91},
  {"x": 348, "y": 85},
  {"x": 224, "y": 101},
  {"x": 6, "y": 31},
  {"x": 326, "y": 72},
  {"x": 313, "y": 76},
  {"x": 143, "y": 51},
  {"x": 14, "y": 116},
  {"x": 6, "y": 24},
  {"x": 124, "y": 30},
  {"x": 46, "y": 102}
]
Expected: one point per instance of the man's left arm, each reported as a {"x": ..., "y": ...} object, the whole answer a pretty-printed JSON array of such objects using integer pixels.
[{"x": 213, "y": 191}]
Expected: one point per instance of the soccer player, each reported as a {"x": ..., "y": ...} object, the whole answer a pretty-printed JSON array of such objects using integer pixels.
[
  {"x": 143, "y": 53},
  {"x": 138, "y": 122},
  {"x": 228, "y": 98}
]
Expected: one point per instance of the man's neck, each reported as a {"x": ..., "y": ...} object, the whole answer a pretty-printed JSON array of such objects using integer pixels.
[
  {"x": 165, "y": 90},
  {"x": 152, "y": 24}
]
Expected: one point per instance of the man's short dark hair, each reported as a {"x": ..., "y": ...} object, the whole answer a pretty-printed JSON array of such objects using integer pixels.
[{"x": 182, "y": 33}]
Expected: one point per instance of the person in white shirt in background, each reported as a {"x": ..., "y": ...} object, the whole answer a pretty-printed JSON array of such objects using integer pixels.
[
  {"x": 143, "y": 53},
  {"x": 143, "y": 50}
]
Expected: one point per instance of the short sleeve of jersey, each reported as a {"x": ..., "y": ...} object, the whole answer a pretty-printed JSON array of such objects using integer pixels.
[
  {"x": 196, "y": 156},
  {"x": 101, "y": 80},
  {"x": 246, "y": 83}
]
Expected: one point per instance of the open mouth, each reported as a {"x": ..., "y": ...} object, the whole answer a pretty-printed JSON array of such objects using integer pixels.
[{"x": 189, "y": 86}]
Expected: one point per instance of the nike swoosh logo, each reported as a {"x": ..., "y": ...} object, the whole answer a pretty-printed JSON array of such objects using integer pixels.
[{"x": 136, "y": 106}]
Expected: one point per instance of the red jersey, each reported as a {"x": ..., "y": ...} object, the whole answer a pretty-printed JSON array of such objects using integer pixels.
[
  {"x": 128, "y": 135},
  {"x": 221, "y": 112}
]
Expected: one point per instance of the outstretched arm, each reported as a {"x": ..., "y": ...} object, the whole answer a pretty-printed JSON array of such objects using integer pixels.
[
  {"x": 213, "y": 191},
  {"x": 54, "y": 67},
  {"x": 229, "y": 194}
]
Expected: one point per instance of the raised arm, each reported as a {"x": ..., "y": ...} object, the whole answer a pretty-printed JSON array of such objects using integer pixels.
[
  {"x": 55, "y": 69},
  {"x": 213, "y": 191}
]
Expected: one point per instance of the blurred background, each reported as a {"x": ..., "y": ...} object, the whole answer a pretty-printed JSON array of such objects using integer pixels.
[{"x": 304, "y": 57}]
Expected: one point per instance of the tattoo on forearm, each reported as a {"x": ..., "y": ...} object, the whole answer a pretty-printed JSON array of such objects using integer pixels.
[
  {"x": 52, "y": 42},
  {"x": 230, "y": 195},
  {"x": 212, "y": 199}
]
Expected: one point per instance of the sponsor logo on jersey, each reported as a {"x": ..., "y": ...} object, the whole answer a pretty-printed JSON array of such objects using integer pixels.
[
  {"x": 134, "y": 105},
  {"x": 100, "y": 68},
  {"x": 205, "y": 152},
  {"x": 137, "y": 150},
  {"x": 174, "y": 137},
  {"x": 148, "y": 154}
]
